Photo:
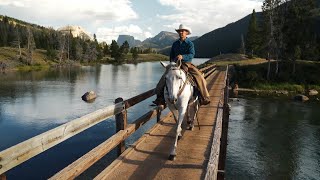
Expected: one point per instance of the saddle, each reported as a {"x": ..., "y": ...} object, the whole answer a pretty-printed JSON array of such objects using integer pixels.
[{"x": 191, "y": 79}]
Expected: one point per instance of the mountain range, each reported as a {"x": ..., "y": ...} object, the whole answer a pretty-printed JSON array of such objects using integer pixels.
[
  {"x": 130, "y": 39},
  {"x": 161, "y": 41}
]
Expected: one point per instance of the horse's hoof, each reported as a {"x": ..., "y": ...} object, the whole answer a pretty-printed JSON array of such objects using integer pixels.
[
  {"x": 190, "y": 129},
  {"x": 179, "y": 138},
  {"x": 172, "y": 157}
]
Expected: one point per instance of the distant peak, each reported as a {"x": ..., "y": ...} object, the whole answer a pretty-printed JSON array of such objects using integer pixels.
[{"x": 77, "y": 31}]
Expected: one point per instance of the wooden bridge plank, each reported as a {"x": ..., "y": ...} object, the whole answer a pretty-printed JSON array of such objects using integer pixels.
[{"x": 148, "y": 158}]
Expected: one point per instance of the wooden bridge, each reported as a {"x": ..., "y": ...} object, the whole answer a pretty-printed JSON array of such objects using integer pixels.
[{"x": 200, "y": 154}]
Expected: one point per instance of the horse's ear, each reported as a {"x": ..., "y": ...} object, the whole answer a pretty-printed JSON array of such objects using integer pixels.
[
  {"x": 163, "y": 64},
  {"x": 179, "y": 62}
]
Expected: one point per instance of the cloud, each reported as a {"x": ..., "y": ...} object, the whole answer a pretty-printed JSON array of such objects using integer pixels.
[
  {"x": 147, "y": 34},
  {"x": 108, "y": 34},
  {"x": 206, "y": 15},
  {"x": 71, "y": 10},
  {"x": 11, "y": 3}
]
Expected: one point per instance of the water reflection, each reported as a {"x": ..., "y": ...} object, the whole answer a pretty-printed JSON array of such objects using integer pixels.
[{"x": 273, "y": 139}]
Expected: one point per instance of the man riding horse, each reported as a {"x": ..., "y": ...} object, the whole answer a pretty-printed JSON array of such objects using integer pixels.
[{"x": 183, "y": 49}]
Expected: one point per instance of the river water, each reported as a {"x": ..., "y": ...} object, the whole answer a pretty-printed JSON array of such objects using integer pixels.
[
  {"x": 273, "y": 139},
  {"x": 268, "y": 138},
  {"x": 34, "y": 102}
]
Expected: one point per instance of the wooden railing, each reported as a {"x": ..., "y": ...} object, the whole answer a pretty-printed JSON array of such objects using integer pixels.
[
  {"x": 218, "y": 143},
  {"x": 15, "y": 155}
]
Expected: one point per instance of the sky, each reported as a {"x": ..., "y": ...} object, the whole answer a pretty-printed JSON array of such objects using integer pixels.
[{"x": 139, "y": 18}]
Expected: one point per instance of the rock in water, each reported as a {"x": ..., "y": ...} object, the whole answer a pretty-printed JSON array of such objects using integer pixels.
[
  {"x": 89, "y": 96},
  {"x": 313, "y": 92},
  {"x": 301, "y": 98}
]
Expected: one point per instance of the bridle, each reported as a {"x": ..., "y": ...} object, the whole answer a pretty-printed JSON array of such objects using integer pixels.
[{"x": 181, "y": 87}]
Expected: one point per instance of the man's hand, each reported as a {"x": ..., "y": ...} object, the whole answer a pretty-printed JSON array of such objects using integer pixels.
[{"x": 179, "y": 57}]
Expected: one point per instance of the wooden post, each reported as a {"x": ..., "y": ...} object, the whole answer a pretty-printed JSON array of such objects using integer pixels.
[
  {"x": 121, "y": 124},
  {"x": 3, "y": 176}
]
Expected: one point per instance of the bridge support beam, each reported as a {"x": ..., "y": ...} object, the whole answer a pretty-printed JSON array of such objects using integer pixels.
[
  {"x": 121, "y": 124},
  {"x": 224, "y": 134}
]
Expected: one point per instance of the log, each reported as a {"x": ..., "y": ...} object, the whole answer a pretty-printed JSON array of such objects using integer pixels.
[{"x": 23, "y": 151}]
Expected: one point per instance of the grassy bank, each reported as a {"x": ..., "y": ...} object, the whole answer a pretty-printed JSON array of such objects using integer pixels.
[
  {"x": 252, "y": 73},
  {"x": 10, "y": 57},
  {"x": 233, "y": 59},
  {"x": 127, "y": 59},
  {"x": 305, "y": 76}
]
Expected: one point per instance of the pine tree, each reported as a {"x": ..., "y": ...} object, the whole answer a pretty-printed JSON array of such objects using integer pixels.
[
  {"x": 106, "y": 50},
  {"x": 125, "y": 46},
  {"x": 98, "y": 48},
  {"x": 298, "y": 29},
  {"x": 269, "y": 9},
  {"x": 78, "y": 49},
  {"x": 252, "y": 35},
  {"x": 115, "y": 50},
  {"x": 297, "y": 55},
  {"x": 3, "y": 33},
  {"x": 302, "y": 17},
  {"x": 135, "y": 53},
  {"x": 17, "y": 42},
  {"x": 243, "y": 46},
  {"x": 31, "y": 46},
  {"x": 62, "y": 46},
  {"x": 86, "y": 50}
]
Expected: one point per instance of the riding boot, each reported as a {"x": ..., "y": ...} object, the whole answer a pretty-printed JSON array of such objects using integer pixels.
[
  {"x": 204, "y": 101},
  {"x": 159, "y": 101}
]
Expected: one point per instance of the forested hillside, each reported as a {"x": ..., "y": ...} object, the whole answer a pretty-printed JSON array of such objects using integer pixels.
[
  {"x": 58, "y": 46},
  {"x": 296, "y": 25}
]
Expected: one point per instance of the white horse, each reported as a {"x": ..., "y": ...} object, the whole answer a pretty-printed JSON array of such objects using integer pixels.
[{"x": 178, "y": 93}]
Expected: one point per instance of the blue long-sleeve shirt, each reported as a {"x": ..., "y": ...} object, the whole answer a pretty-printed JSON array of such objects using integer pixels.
[{"x": 185, "y": 48}]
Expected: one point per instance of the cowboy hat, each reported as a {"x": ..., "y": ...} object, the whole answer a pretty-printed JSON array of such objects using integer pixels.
[{"x": 183, "y": 27}]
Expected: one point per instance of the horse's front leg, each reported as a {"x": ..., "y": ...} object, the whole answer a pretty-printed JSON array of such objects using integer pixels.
[
  {"x": 182, "y": 111},
  {"x": 174, "y": 111}
]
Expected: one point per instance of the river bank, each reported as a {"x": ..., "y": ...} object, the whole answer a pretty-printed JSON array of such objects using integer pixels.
[
  {"x": 250, "y": 75},
  {"x": 10, "y": 60}
]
